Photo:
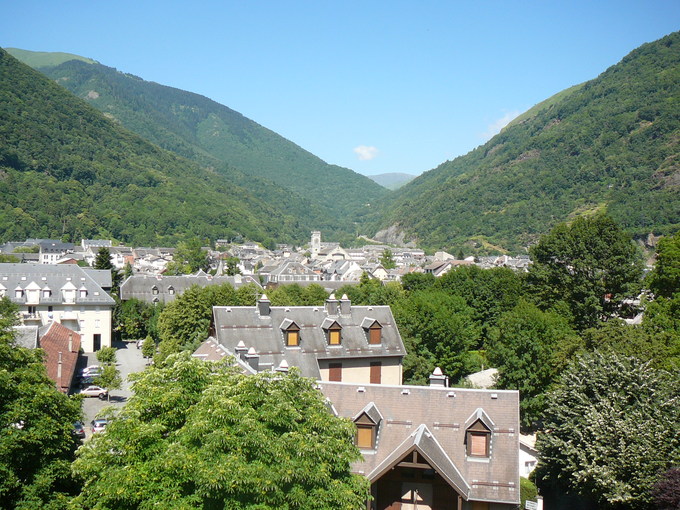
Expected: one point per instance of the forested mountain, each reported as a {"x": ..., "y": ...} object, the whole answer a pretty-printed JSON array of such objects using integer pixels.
[
  {"x": 394, "y": 180},
  {"x": 610, "y": 144},
  {"x": 214, "y": 135},
  {"x": 66, "y": 171}
]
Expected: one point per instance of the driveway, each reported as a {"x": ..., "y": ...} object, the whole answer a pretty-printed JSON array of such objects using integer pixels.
[{"x": 128, "y": 360}]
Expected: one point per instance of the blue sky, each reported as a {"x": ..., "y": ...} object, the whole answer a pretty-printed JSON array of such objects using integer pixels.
[{"x": 375, "y": 86}]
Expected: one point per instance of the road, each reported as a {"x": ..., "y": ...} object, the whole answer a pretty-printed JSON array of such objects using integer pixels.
[{"x": 128, "y": 360}]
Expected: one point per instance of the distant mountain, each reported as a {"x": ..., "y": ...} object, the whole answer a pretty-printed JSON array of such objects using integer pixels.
[
  {"x": 214, "y": 135},
  {"x": 610, "y": 144},
  {"x": 66, "y": 171},
  {"x": 393, "y": 180},
  {"x": 45, "y": 58}
]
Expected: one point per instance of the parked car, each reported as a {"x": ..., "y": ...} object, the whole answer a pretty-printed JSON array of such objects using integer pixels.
[
  {"x": 78, "y": 430},
  {"x": 99, "y": 425},
  {"x": 86, "y": 381},
  {"x": 95, "y": 391},
  {"x": 92, "y": 370}
]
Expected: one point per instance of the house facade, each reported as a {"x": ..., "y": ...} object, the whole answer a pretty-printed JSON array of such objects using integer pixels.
[
  {"x": 335, "y": 342},
  {"x": 433, "y": 447},
  {"x": 67, "y": 294}
]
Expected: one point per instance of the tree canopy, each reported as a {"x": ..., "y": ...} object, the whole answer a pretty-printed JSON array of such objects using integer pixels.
[
  {"x": 612, "y": 427},
  {"x": 198, "y": 434}
]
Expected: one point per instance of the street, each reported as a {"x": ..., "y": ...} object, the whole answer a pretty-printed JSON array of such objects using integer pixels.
[{"x": 128, "y": 360}]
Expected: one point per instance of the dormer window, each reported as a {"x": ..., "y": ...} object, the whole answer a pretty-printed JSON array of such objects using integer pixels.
[
  {"x": 367, "y": 422},
  {"x": 373, "y": 330},
  {"x": 82, "y": 292},
  {"x": 46, "y": 293},
  {"x": 291, "y": 333},
  {"x": 333, "y": 332},
  {"x": 171, "y": 290},
  {"x": 478, "y": 439},
  {"x": 18, "y": 293},
  {"x": 154, "y": 290}
]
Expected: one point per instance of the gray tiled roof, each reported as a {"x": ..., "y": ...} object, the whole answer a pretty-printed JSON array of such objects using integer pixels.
[
  {"x": 433, "y": 421},
  {"x": 264, "y": 333},
  {"x": 54, "y": 277},
  {"x": 142, "y": 286}
]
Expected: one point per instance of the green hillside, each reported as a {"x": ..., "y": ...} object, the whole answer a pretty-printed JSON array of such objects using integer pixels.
[
  {"x": 66, "y": 171},
  {"x": 214, "y": 135},
  {"x": 45, "y": 58},
  {"x": 609, "y": 144}
]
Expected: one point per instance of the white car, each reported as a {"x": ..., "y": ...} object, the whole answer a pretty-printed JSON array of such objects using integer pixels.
[
  {"x": 99, "y": 425},
  {"x": 90, "y": 369},
  {"x": 95, "y": 391}
]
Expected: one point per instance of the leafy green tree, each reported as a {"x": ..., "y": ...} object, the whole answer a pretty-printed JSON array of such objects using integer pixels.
[
  {"x": 127, "y": 270},
  {"x": 106, "y": 355},
  {"x": 148, "y": 347},
  {"x": 132, "y": 317},
  {"x": 664, "y": 280},
  {"x": 103, "y": 261},
  {"x": 110, "y": 378},
  {"x": 188, "y": 258},
  {"x": 527, "y": 491},
  {"x": 611, "y": 430},
  {"x": 202, "y": 435},
  {"x": 36, "y": 423},
  {"x": 442, "y": 329},
  {"x": 417, "y": 281},
  {"x": 387, "y": 260},
  {"x": 530, "y": 348},
  {"x": 10, "y": 259},
  {"x": 232, "y": 266},
  {"x": 591, "y": 265}
]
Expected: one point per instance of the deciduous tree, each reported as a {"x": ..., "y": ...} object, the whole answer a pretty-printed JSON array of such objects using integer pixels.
[
  {"x": 611, "y": 430},
  {"x": 202, "y": 435}
]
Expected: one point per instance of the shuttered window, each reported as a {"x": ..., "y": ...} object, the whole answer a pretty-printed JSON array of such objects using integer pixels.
[
  {"x": 478, "y": 444},
  {"x": 334, "y": 337},
  {"x": 375, "y": 335},
  {"x": 292, "y": 338},
  {"x": 376, "y": 369},
  {"x": 335, "y": 372},
  {"x": 365, "y": 436}
]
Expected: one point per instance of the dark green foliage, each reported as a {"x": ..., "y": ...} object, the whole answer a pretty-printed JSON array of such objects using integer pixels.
[
  {"x": 68, "y": 172},
  {"x": 387, "y": 260},
  {"x": 527, "y": 491},
  {"x": 202, "y": 435},
  {"x": 134, "y": 319},
  {"x": 106, "y": 355},
  {"x": 611, "y": 430},
  {"x": 103, "y": 259},
  {"x": 36, "y": 421},
  {"x": 530, "y": 349},
  {"x": 188, "y": 258},
  {"x": 608, "y": 144},
  {"x": 270, "y": 167},
  {"x": 591, "y": 265},
  {"x": 664, "y": 280}
]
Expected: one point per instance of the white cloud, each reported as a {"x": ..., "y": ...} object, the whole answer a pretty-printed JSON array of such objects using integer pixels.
[
  {"x": 495, "y": 127},
  {"x": 366, "y": 152}
]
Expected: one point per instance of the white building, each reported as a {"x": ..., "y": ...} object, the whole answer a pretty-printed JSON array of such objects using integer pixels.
[{"x": 66, "y": 293}]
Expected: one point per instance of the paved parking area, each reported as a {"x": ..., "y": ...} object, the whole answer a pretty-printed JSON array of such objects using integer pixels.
[{"x": 129, "y": 360}]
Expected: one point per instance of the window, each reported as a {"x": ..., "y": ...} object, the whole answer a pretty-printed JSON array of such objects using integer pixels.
[
  {"x": 334, "y": 337},
  {"x": 335, "y": 372},
  {"x": 375, "y": 333},
  {"x": 291, "y": 333},
  {"x": 18, "y": 293},
  {"x": 83, "y": 293},
  {"x": 46, "y": 293},
  {"x": 171, "y": 290},
  {"x": 478, "y": 438},
  {"x": 292, "y": 338},
  {"x": 333, "y": 331},
  {"x": 365, "y": 437},
  {"x": 154, "y": 290},
  {"x": 376, "y": 368}
]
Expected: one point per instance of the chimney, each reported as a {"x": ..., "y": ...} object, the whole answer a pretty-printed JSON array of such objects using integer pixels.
[
  {"x": 283, "y": 367},
  {"x": 59, "y": 372},
  {"x": 253, "y": 359},
  {"x": 70, "y": 342},
  {"x": 345, "y": 305},
  {"x": 332, "y": 305},
  {"x": 241, "y": 350},
  {"x": 263, "y": 306},
  {"x": 438, "y": 379}
]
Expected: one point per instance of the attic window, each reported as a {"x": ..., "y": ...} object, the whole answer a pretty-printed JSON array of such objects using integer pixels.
[
  {"x": 333, "y": 332},
  {"x": 478, "y": 439},
  {"x": 373, "y": 329},
  {"x": 46, "y": 293},
  {"x": 367, "y": 428},
  {"x": 18, "y": 293},
  {"x": 171, "y": 290},
  {"x": 291, "y": 333},
  {"x": 83, "y": 293},
  {"x": 154, "y": 290}
]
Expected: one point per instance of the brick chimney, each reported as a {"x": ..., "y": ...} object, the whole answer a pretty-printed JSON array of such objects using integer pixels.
[
  {"x": 345, "y": 305},
  {"x": 264, "y": 306},
  {"x": 332, "y": 305},
  {"x": 438, "y": 379}
]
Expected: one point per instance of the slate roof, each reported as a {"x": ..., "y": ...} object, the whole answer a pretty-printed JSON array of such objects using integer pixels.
[
  {"x": 433, "y": 421},
  {"x": 53, "y": 341},
  {"x": 141, "y": 286},
  {"x": 55, "y": 277},
  {"x": 264, "y": 333}
]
